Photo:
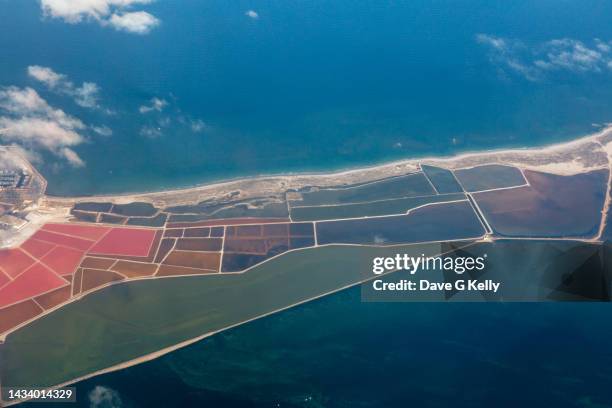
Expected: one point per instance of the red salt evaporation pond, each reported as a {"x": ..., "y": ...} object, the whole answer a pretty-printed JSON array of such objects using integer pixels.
[
  {"x": 36, "y": 248},
  {"x": 65, "y": 240},
  {"x": 62, "y": 260},
  {"x": 14, "y": 261},
  {"x": 4, "y": 279},
  {"x": 125, "y": 242},
  {"x": 34, "y": 281},
  {"x": 82, "y": 231}
]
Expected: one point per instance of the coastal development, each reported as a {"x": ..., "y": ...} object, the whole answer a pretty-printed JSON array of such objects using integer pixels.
[{"x": 144, "y": 274}]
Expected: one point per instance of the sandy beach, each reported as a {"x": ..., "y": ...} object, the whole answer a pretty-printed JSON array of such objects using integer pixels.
[{"x": 577, "y": 156}]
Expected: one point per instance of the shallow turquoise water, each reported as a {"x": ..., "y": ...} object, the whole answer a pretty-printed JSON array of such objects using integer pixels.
[{"x": 310, "y": 85}]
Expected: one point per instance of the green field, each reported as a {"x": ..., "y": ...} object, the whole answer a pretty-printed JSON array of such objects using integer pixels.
[{"x": 130, "y": 320}]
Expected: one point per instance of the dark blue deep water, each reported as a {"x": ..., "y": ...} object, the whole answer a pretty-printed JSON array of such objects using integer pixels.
[
  {"x": 340, "y": 352},
  {"x": 310, "y": 85},
  {"x": 317, "y": 85}
]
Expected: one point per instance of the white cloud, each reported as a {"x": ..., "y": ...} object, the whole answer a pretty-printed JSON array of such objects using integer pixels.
[
  {"x": 252, "y": 14},
  {"x": 17, "y": 100},
  {"x": 533, "y": 62},
  {"x": 72, "y": 158},
  {"x": 86, "y": 95},
  {"x": 156, "y": 104},
  {"x": 42, "y": 131},
  {"x": 102, "y": 130},
  {"x": 139, "y": 22},
  {"x": 27, "y": 102},
  {"x": 505, "y": 52},
  {"x": 115, "y": 13},
  {"x": 104, "y": 397},
  {"x": 28, "y": 154},
  {"x": 495, "y": 42},
  {"x": 571, "y": 55},
  {"x": 150, "y": 132},
  {"x": 28, "y": 120},
  {"x": 75, "y": 11},
  {"x": 45, "y": 75},
  {"x": 197, "y": 126},
  {"x": 602, "y": 46}
]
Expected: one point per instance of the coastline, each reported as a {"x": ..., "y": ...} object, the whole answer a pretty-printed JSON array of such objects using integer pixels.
[
  {"x": 565, "y": 158},
  {"x": 587, "y": 153}
]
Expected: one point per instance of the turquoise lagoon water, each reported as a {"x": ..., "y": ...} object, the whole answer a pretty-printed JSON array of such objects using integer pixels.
[{"x": 309, "y": 86}]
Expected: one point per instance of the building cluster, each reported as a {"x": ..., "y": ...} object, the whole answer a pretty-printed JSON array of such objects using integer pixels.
[
  {"x": 13, "y": 179},
  {"x": 9, "y": 221}
]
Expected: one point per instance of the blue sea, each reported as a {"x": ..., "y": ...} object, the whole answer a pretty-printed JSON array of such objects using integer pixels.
[
  {"x": 307, "y": 86},
  {"x": 340, "y": 352},
  {"x": 320, "y": 85}
]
